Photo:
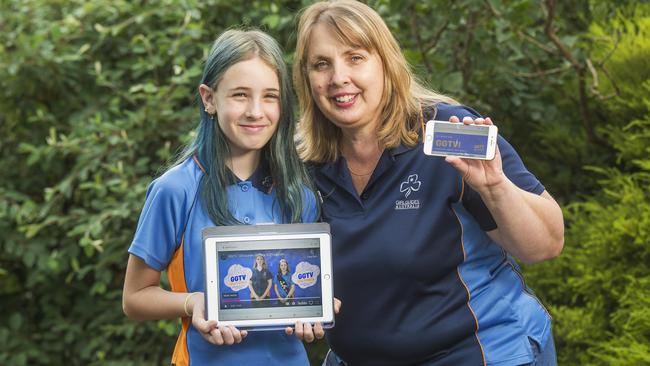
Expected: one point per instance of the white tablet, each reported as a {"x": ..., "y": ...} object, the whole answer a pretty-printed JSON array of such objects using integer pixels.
[{"x": 262, "y": 277}]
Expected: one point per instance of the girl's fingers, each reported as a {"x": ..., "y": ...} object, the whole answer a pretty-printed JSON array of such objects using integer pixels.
[
  {"x": 337, "y": 306},
  {"x": 215, "y": 337},
  {"x": 319, "y": 333},
  {"x": 308, "y": 333},
  {"x": 298, "y": 330},
  {"x": 226, "y": 334},
  {"x": 236, "y": 334}
]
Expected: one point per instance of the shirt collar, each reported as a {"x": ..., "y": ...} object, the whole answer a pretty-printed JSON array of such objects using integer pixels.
[
  {"x": 261, "y": 179},
  {"x": 400, "y": 149}
]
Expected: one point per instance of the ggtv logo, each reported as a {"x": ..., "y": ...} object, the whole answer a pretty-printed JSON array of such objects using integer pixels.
[
  {"x": 238, "y": 277},
  {"x": 306, "y": 275}
]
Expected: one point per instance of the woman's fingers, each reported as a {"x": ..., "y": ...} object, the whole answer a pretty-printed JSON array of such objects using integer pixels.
[{"x": 475, "y": 121}]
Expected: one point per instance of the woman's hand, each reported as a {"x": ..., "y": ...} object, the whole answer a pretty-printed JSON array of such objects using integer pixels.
[
  {"x": 307, "y": 333},
  {"x": 481, "y": 175},
  {"x": 210, "y": 330},
  {"x": 529, "y": 226}
]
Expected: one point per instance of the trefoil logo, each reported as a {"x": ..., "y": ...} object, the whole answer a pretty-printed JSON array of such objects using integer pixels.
[{"x": 412, "y": 184}]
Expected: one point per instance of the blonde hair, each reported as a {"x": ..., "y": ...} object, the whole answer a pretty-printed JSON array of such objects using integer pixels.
[{"x": 356, "y": 24}]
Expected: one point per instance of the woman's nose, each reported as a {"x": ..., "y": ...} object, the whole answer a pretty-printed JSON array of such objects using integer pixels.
[{"x": 340, "y": 75}]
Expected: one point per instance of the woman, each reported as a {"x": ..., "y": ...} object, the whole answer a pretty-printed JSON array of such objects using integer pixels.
[
  {"x": 423, "y": 245},
  {"x": 284, "y": 287},
  {"x": 241, "y": 168},
  {"x": 260, "y": 283}
]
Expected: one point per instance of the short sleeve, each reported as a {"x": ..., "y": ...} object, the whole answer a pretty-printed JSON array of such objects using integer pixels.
[
  {"x": 514, "y": 169},
  {"x": 161, "y": 223}
]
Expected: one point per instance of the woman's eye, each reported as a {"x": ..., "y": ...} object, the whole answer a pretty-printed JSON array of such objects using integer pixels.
[
  {"x": 356, "y": 58},
  {"x": 272, "y": 96},
  {"x": 239, "y": 95},
  {"x": 320, "y": 65}
]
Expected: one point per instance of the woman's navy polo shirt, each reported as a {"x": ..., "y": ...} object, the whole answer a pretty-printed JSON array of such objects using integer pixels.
[{"x": 420, "y": 281}]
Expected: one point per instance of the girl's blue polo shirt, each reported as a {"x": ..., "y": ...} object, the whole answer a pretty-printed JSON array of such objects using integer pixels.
[
  {"x": 287, "y": 280},
  {"x": 168, "y": 237},
  {"x": 420, "y": 281}
]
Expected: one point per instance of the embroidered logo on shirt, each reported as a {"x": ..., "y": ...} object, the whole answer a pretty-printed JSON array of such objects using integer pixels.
[{"x": 412, "y": 184}]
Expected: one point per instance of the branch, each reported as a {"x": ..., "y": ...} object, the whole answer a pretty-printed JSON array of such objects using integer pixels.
[
  {"x": 580, "y": 70},
  {"x": 465, "y": 63},
  {"x": 542, "y": 73},
  {"x": 433, "y": 43},
  {"x": 594, "y": 87},
  {"x": 418, "y": 39},
  {"x": 550, "y": 32},
  {"x": 492, "y": 10},
  {"x": 534, "y": 41}
]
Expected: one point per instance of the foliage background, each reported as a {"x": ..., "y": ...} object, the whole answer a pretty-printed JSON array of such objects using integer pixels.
[{"x": 98, "y": 95}]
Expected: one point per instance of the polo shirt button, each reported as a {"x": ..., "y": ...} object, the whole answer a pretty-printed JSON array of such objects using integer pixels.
[
  {"x": 247, "y": 220},
  {"x": 364, "y": 196},
  {"x": 244, "y": 187}
]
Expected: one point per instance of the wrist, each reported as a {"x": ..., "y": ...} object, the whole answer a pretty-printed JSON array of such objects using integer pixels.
[
  {"x": 497, "y": 191},
  {"x": 190, "y": 301}
]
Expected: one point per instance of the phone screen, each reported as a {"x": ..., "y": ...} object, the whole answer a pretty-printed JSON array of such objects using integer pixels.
[{"x": 457, "y": 139}]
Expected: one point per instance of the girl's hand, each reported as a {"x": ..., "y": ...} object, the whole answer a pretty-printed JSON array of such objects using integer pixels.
[
  {"x": 307, "y": 333},
  {"x": 481, "y": 175},
  {"x": 210, "y": 330}
]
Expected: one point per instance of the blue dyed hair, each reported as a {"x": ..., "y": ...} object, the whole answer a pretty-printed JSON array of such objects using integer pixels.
[{"x": 211, "y": 147}]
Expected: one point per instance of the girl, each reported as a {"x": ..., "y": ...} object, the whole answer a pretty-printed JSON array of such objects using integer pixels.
[
  {"x": 260, "y": 284},
  {"x": 284, "y": 287},
  {"x": 241, "y": 168}
]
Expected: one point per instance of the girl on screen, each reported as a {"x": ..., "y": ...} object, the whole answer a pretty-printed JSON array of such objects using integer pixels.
[
  {"x": 260, "y": 283},
  {"x": 284, "y": 287},
  {"x": 240, "y": 168}
]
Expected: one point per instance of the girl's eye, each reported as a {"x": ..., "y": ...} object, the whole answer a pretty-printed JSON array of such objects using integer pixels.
[
  {"x": 272, "y": 96},
  {"x": 239, "y": 95},
  {"x": 356, "y": 58}
]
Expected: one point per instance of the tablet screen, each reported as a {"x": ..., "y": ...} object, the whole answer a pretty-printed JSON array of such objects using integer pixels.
[{"x": 269, "y": 279}]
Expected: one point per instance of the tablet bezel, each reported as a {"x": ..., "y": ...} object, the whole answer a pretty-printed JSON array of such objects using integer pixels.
[{"x": 213, "y": 283}]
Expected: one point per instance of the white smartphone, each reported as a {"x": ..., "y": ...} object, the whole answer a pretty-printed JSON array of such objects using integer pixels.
[{"x": 458, "y": 139}]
